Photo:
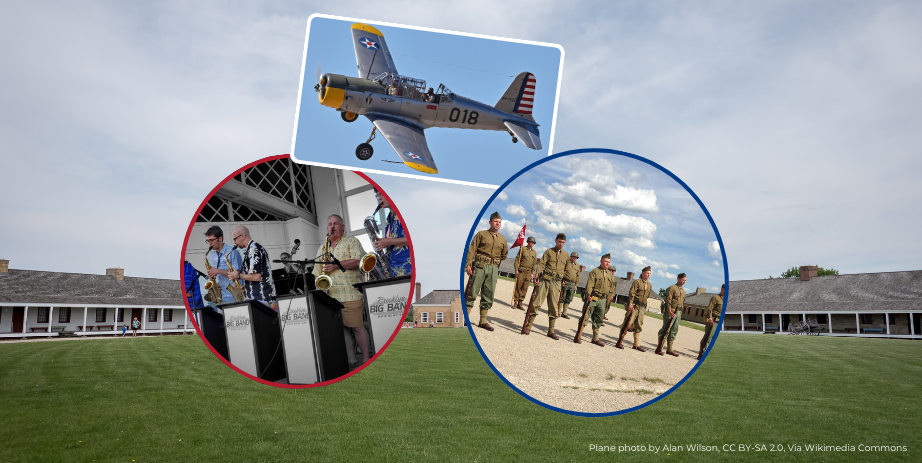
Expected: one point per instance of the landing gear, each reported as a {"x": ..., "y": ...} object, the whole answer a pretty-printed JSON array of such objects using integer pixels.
[
  {"x": 514, "y": 138},
  {"x": 349, "y": 116},
  {"x": 364, "y": 150}
]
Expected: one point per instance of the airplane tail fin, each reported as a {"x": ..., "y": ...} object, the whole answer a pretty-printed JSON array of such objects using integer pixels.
[{"x": 519, "y": 98}]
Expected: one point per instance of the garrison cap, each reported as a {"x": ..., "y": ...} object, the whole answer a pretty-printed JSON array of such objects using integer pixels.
[
  {"x": 574, "y": 254},
  {"x": 646, "y": 269},
  {"x": 681, "y": 275},
  {"x": 561, "y": 236},
  {"x": 495, "y": 215},
  {"x": 531, "y": 239},
  {"x": 607, "y": 256}
]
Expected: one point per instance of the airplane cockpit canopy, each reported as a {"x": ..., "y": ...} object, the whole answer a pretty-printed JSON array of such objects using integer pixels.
[{"x": 445, "y": 93}]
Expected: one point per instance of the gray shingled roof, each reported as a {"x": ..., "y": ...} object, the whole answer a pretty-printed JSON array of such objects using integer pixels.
[
  {"x": 440, "y": 297},
  {"x": 865, "y": 292},
  {"x": 702, "y": 299},
  {"x": 35, "y": 286}
]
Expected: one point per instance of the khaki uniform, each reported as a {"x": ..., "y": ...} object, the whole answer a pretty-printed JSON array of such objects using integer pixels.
[
  {"x": 570, "y": 278},
  {"x": 675, "y": 301},
  {"x": 551, "y": 269},
  {"x": 600, "y": 290},
  {"x": 712, "y": 313},
  {"x": 525, "y": 264},
  {"x": 640, "y": 291},
  {"x": 487, "y": 250}
]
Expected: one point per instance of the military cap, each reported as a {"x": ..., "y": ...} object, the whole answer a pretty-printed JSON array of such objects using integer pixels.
[
  {"x": 574, "y": 254},
  {"x": 607, "y": 256},
  {"x": 646, "y": 269},
  {"x": 681, "y": 275},
  {"x": 531, "y": 239},
  {"x": 495, "y": 215},
  {"x": 561, "y": 236}
]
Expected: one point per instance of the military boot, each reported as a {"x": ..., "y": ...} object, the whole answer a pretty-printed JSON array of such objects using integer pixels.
[
  {"x": 637, "y": 345},
  {"x": 550, "y": 330},
  {"x": 563, "y": 312},
  {"x": 669, "y": 349},
  {"x": 483, "y": 320},
  {"x": 595, "y": 337},
  {"x": 659, "y": 347}
]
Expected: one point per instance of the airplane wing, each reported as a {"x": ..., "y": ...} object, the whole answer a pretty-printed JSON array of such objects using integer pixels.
[
  {"x": 408, "y": 141},
  {"x": 526, "y": 132},
  {"x": 371, "y": 52}
]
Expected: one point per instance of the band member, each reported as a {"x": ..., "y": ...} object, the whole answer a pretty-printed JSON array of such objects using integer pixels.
[
  {"x": 548, "y": 279},
  {"x": 255, "y": 271},
  {"x": 395, "y": 241},
  {"x": 214, "y": 236},
  {"x": 193, "y": 292},
  {"x": 600, "y": 290},
  {"x": 713, "y": 318},
  {"x": 487, "y": 250},
  {"x": 570, "y": 278},
  {"x": 525, "y": 262},
  {"x": 348, "y": 250},
  {"x": 672, "y": 315},
  {"x": 636, "y": 307}
]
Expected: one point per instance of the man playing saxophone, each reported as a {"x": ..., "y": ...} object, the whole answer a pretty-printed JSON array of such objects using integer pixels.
[
  {"x": 348, "y": 250},
  {"x": 217, "y": 257},
  {"x": 254, "y": 270},
  {"x": 394, "y": 242}
]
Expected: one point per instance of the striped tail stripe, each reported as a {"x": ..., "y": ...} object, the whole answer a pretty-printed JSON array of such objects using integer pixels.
[{"x": 527, "y": 98}]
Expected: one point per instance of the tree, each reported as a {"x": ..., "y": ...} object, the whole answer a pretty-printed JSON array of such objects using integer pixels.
[
  {"x": 795, "y": 272},
  {"x": 662, "y": 293}
]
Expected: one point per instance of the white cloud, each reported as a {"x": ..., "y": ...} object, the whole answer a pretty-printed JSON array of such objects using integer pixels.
[
  {"x": 716, "y": 263},
  {"x": 593, "y": 183},
  {"x": 584, "y": 244},
  {"x": 562, "y": 217},
  {"x": 503, "y": 196},
  {"x": 714, "y": 249},
  {"x": 515, "y": 210},
  {"x": 663, "y": 274}
]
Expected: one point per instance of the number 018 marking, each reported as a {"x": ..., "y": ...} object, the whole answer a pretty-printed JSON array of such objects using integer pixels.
[{"x": 466, "y": 118}]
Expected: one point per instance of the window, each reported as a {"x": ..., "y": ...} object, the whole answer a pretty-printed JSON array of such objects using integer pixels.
[
  {"x": 457, "y": 317},
  {"x": 439, "y": 317},
  {"x": 821, "y": 318},
  {"x": 151, "y": 315},
  {"x": 101, "y": 315},
  {"x": 424, "y": 317},
  {"x": 64, "y": 315},
  {"x": 769, "y": 318},
  {"x": 121, "y": 315},
  {"x": 867, "y": 319},
  {"x": 167, "y": 315},
  {"x": 892, "y": 319},
  {"x": 42, "y": 316},
  {"x": 752, "y": 318}
]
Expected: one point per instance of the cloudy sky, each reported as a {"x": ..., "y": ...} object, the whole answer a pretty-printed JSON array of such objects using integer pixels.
[
  {"x": 613, "y": 204},
  {"x": 796, "y": 123}
]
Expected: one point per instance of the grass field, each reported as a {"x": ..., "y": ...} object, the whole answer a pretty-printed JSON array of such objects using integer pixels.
[{"x": 432, "y": 398}]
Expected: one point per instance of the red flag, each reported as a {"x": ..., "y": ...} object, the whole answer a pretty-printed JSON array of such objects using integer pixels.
[{"x": 521, "y": 239}]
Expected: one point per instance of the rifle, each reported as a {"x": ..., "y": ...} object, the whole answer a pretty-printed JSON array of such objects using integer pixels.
[
  {"x": 582, "y": 320},
  {"x": 530, "y": 304},
  {"x": 659, "y": 345}
]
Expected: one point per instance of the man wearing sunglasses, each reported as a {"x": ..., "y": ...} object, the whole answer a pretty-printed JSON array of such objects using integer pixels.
[{"x": 217, "y": 249}]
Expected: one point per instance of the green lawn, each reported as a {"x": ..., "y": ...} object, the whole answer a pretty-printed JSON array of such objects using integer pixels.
[{"x": 432, "y": 398}]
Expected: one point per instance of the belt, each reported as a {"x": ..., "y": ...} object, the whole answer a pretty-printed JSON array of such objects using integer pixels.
[
  {"x": 486, "y": 259},
  {"x": 523, "y": 269},
  {"x": 568, "y": 281}
]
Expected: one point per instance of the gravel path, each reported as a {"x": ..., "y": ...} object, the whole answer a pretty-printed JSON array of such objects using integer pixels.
[{"x": 581, "y": 377}]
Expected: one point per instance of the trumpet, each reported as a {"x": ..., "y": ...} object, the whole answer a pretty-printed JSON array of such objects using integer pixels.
[
  {"x": 324, "y": 282},
  {"x": 235, "y": 288},
  {"x": 211, "y": 286}
]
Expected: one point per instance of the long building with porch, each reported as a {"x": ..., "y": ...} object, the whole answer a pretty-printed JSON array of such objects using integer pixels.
[
  {"x": 887, "y": 304},
  {"x": 45, "y": 304}
]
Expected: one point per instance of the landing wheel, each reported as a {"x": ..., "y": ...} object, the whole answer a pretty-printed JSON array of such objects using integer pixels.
[
  {"x": 349, "y": 116},
  {"x": 364, "y": 151},
  {"x": 515, "y": 140}
]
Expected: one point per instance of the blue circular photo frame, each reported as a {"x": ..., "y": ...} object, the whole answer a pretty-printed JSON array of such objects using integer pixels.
[{"x": 723, "y": 255}]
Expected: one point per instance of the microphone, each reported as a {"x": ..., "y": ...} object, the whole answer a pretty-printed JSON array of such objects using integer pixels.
[{"x": 338, "y": 264}]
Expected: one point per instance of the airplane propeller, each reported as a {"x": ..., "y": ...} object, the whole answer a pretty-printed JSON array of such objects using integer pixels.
[{"x": 318, "y": 87}]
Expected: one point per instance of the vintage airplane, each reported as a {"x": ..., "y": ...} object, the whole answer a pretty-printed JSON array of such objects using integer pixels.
[{"x": 400, "y": 107}]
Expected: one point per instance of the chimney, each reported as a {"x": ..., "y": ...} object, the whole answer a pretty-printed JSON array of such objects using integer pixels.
[
  {"x": 4, "y": 266},
  {"x": 807, "y": 272},
  {"x": 630, "y": 276},
  {"x": 419, "y": 287},
  {"x": 118, "y": 273},
  {"x": 701, "y": 290}
]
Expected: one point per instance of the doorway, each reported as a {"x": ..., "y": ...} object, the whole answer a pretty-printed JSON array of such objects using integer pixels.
[{"x": 18, "y": 314}]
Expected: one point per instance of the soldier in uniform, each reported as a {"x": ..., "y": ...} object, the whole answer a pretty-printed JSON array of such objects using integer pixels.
[
  {"x": 570, "y": 278},
  {"x": 605, "y": 315},
  {"x": 487, "y": 250},
  {"x": 600, "y": 290},
  {"x": 524, "y": 272},
  {"x": 672, "y": 315},
  {"x": 551, "y": 268},
  {"x": 713, "y": 317},
  {"x": 636, "y": 306}
]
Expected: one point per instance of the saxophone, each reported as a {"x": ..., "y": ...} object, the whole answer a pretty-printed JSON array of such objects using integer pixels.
[
  {"x": 324, "y": 282},
  {"x": 235, "y": 288},
  {"x": 375, "y": 265},
  {"x": 211, "y": 286}
]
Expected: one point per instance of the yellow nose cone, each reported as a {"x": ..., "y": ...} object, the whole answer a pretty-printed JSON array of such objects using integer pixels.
[{"x": 332, "y": 97}]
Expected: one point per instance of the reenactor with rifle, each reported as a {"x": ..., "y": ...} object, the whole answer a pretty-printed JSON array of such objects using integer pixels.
[
  {"x": 600, "y": 290},
  {"x": 570, "y": 278},
  {"x": 713, "y": 317},
  {"x": 487, "y": 250},
  {"x": 672, "y": 315},
  {"x": 551, "y": 268},
  {"x": 636, "y": 306},
  {"x": 525, "y": 262}
]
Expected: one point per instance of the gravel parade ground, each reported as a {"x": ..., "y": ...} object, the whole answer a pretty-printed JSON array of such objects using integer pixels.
[{"x": 581, "y": 377}]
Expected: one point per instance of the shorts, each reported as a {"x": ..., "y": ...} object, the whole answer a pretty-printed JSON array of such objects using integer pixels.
[{"x": 352, "y": 314}]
